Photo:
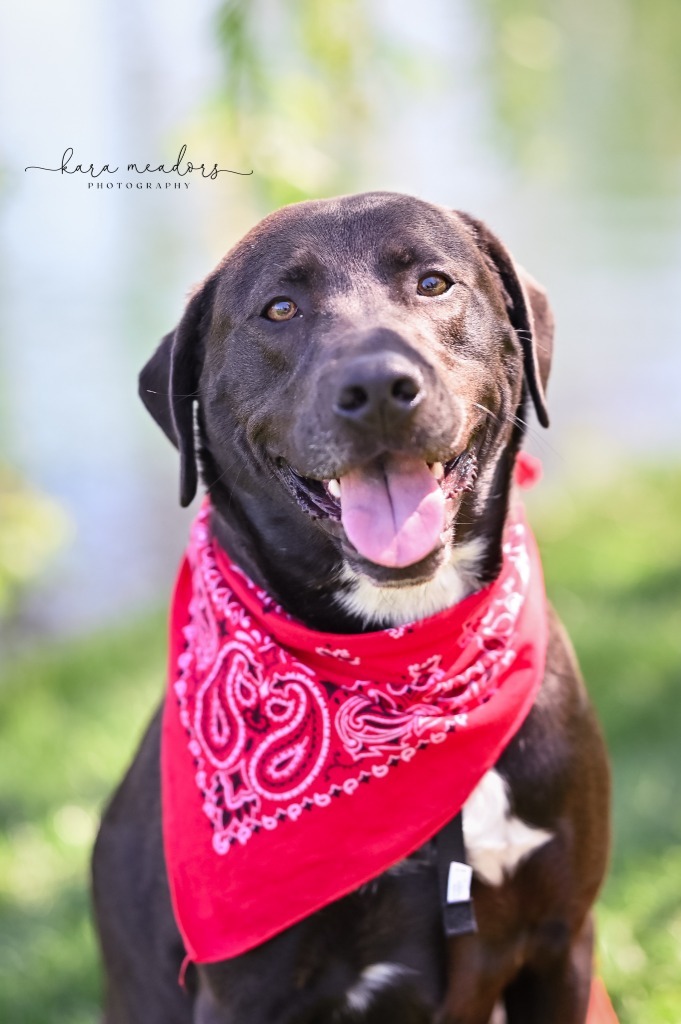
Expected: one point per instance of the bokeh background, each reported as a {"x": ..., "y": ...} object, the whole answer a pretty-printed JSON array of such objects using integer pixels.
[{"x": 556, "y": 121}]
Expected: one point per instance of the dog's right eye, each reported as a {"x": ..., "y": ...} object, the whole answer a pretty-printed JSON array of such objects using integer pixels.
[
  {"x": 433, "y": 284},
  {"x": 280, "y": 309}
]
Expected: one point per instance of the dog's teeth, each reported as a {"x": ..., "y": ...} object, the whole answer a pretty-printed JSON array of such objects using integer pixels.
[
  {"x": 438, "y": 470},
  {"x": 333, "y": 488}
]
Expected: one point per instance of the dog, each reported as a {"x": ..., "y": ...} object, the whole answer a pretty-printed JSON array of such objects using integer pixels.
[{"x": 347, "y": 347}]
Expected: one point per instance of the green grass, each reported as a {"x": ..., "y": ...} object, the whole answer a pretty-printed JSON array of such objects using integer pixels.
[
  {"x": 70, "y": 717},
  {"x": 69, "y": 720}
]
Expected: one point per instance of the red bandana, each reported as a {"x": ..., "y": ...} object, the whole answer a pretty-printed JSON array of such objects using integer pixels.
[{"x": 298, "y": 765}]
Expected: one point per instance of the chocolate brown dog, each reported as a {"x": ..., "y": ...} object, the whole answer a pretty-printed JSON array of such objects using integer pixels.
[{"x": 345, "y": 348}]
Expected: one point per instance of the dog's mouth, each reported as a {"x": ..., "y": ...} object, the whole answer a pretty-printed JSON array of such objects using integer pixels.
[{"x": 395, "y": 510}]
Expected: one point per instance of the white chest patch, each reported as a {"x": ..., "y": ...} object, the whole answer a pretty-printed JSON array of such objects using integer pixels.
[
  {"x": 496, "y": 842},
  {"x": 396, "y": 606}
]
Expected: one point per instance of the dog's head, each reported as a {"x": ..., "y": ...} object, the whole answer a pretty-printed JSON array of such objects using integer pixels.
[{"x": 353, "y": 376}]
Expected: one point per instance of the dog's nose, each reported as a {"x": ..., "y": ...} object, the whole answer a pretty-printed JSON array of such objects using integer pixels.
[{"x": 372, "y": 387}]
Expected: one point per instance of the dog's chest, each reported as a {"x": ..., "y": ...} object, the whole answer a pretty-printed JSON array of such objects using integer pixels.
[{"x": 496, "y": 840}]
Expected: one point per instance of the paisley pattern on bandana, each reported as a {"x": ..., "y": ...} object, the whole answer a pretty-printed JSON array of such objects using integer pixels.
[
  {"x": 273, "y": 736},
  {"x": 298, "y": 765}
]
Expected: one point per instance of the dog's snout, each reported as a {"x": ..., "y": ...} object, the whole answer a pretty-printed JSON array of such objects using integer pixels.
[{"x": 373, "y": 386}]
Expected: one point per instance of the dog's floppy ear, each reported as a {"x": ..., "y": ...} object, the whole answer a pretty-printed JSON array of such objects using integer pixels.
[
  {"x": 168, "y": 385},
  {"x": 528, "y": 309}
]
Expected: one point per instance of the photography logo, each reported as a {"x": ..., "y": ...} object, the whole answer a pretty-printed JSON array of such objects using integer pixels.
[{"x": 139, "y": 176}]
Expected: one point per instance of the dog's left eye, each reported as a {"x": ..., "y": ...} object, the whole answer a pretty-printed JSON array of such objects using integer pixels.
[
  {"x": 433, "y": 284},
  {"x": 280, "y": 309}
]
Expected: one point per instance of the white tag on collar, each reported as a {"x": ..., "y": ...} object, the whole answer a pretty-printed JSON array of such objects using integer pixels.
[{"x": 459, "y": 882}]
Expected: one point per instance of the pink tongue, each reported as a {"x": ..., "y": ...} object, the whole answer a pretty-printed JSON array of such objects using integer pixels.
[{"x": 393, "y": 513}]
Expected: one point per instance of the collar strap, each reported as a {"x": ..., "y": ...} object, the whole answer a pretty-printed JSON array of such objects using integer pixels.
[{"x": 455, "y": 877}]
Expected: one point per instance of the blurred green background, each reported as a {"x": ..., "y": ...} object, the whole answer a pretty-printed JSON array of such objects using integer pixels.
[{"x": 560, "y": 124}]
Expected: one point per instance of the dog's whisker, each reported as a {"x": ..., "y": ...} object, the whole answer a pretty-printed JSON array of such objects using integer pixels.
[
  {"x": 228, "y": 469},
  {"x": 175, "y": 394},
  {"x": 532, "y": 336},
  {"x": 488, "y": 412},
  {"x": 530, "y": 431}
]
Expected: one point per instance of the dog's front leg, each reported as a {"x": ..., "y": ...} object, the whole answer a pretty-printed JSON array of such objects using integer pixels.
[
  {"x": 557, "y": 993},
  {"x": 476, "y": 979}
]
